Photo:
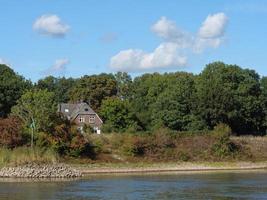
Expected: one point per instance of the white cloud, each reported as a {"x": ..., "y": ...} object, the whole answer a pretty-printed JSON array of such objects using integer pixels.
[
  {"x": 59, "y": 67},
  {"x": 169, "y": 31},
  {"x": 177, "y": 43},
  {"x": 51, "y": 25},
  {"x": 164, "y": 56},
  {"x": 211, "y": 32},
  {"x": 213, "y": 26}
]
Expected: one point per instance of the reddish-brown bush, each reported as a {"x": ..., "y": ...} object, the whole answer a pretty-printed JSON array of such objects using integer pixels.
[{"x": 10, "y": 132}]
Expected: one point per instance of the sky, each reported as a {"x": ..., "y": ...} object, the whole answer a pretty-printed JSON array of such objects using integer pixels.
[{"x": 76, "y": 37}]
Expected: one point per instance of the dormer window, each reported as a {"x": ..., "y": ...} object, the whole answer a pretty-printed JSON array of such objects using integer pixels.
[{"x": 66, "y": 110}]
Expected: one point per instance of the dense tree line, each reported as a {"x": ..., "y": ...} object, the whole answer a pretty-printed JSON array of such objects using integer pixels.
[{"x": 179, "y": 101}]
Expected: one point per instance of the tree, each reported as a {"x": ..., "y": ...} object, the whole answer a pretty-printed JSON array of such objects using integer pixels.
[
  {"x": 37, "y": 105},
  {"x": 93, "y": 89},
  {"x": 231, "y": 95},
  {"x": 116, "y": 113},
  {"x": 60, "y": 86},
  {"x": 145, "y": 91},
  {"x": 124, "y": 82},
  {"x": 263, "y": 83},
  {"x": 12, "y": 87},
  {"x": 174, "y": 107}
]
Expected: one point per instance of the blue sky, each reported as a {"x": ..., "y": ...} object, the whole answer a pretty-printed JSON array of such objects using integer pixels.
[{"x": 78, "y": 37}]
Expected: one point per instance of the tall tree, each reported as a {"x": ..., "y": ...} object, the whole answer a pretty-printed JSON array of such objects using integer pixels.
[
  {"x": 93, "y": 89},
  {"x": 146, "y": 90},
  {"x": 231, "y": 95},
  {"x": 124, "y": 83},
  {"x": 60, "y": 86},
  {"x": 12, "y": 87},
  {"x": 174, "y": 107}
]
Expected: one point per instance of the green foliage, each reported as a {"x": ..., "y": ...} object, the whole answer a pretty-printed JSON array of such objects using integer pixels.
[
  {"x": 12, "y": 87},
  {"x": 124, "y": 84},
  {"x": 183, "y": 156},
  {"x": 93, "y": 89},
  {"x": 37, "y": 105},
  {"x": 173, "y": 108},
  {"x": 117, "y": 114},
  {"x": 231, "y": 95},
  {"x": 223, "y": 146},
  {"x": 59, "y": 86}
]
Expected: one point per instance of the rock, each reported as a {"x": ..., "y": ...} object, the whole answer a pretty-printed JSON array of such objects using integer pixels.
[{"x": 40, "y": 171}]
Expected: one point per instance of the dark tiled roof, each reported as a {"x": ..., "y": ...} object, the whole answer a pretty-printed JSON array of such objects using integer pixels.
[{"x": 75, "y": 109}]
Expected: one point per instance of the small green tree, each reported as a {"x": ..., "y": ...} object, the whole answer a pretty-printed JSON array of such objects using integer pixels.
[
  {"x": 116, "y": 113},
  {"x": 38, "y": 106}
]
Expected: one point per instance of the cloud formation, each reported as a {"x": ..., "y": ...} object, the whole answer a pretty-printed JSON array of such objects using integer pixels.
[
  {"x": 168, "y": 30},
  {"x": 211, "y": 32},
  {"x": 59, "y": 67},
  {"x": 131, "y": 60},
  {"x": 173, "y": 51},
  {"x": 51, "y": 25}
]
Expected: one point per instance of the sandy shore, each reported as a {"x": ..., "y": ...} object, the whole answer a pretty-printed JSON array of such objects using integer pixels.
[{"x": 168, "y": 167}]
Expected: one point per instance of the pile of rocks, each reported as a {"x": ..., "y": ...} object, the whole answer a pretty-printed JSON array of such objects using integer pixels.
[{"x": 40, "y": 171}]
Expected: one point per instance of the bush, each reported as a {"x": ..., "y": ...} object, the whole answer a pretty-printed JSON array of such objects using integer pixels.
[
  {"x": 107, "y": 127},
  {"x": 10, "y": 132},
  {"x": 183, "y": 156},
  {"x": 80, "y": 147},
  {"x": 66, "y": 140},
  {"x": 223, "y": 146}
]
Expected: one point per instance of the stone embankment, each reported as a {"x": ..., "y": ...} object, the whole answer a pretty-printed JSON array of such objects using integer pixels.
[{"x": 40, "y": 171}]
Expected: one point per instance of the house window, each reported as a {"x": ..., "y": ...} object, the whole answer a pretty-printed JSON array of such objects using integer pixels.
[
  {"x": 92, "y": 119},
  {"x": 81, "y": 119},
  {"x": 66, "y": 110},
  {"x": 86, "y": 109}
]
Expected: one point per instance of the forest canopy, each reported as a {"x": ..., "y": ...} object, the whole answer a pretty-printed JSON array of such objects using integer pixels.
[{"x": 180, "y": 101}]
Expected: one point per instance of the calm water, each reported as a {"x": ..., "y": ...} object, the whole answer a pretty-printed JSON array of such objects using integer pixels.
[{"x": 223, "y": 185}]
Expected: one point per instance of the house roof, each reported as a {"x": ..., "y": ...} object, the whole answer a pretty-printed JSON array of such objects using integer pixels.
[{"x": 71, "y": 110}]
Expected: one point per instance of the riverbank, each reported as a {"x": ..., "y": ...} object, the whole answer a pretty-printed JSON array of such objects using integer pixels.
[
  {"x": 77, "y": 170},
  {"x": 40, "y": 171},
  {"x": 111, "y": 168}
]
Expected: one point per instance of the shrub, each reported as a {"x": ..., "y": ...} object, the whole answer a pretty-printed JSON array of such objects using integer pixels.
[
  {"x": 183, "y": 156},
  {"x": 80, "y": 147},
  {"x": 107, "y": 127},
  {"x": 88, "y": 129},
  {"x": 223, "y": 146},
  {"x": 10, "y": 132}
]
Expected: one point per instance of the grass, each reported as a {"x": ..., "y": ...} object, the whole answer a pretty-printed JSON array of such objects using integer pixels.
[{"x": 25, "y": 155}]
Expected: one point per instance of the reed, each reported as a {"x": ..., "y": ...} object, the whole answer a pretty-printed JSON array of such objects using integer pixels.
[{"x": 26, "y": 155}]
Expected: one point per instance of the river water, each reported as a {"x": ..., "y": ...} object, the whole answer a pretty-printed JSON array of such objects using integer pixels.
[{"x": 205, "y": 185}]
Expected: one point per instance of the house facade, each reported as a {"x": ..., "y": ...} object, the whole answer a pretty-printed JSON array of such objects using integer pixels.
[{"x": 81, "y": 114}]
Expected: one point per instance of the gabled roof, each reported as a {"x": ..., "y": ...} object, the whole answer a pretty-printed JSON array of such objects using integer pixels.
[{"x": 75, "y": 109}]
